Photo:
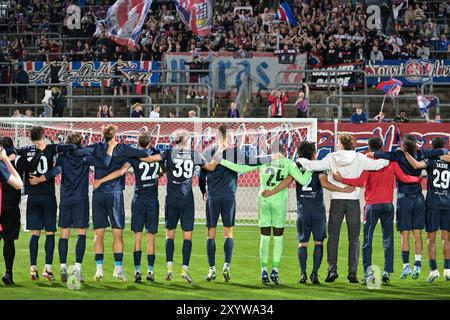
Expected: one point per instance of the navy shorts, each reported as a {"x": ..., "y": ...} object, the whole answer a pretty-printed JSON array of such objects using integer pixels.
[
  {"x": 10, "y": 221},
  {"x": 437, "y": 219},
  {"x": 180, "y": 209},
  {"x": 108, "y": 210},
  {"x": 41, "y": 212},
  {"x": 410, "y": 213},
  {"x": 310, "y": 220},
  {"x": 74, "y": 214},
  {"x": 224, "y": 207},
  {"x": 145, "y": 212}
]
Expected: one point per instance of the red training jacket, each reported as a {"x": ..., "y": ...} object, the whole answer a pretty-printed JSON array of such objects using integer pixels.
[
  {"x": 273, "y": 100},
  {"x": 380, "y": 184}
]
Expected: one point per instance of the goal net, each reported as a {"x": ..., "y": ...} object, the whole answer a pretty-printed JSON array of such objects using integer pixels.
[{"x": 252, "y": 136}]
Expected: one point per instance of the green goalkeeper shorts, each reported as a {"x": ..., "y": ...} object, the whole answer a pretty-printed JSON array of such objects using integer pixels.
[{"x": 272, "y": 212}]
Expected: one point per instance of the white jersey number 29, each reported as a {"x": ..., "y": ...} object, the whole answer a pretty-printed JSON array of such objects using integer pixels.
[{"x": 442, "y": 179}]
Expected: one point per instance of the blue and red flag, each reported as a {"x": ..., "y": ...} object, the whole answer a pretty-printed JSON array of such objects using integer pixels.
[
  {"x": 426, "y": 102},
  {"x": 124, "y": 20},
  {"x": 391, "y": 87},
  {"x": 284, "y": 13},
  {"x": 197, "y": 15}
]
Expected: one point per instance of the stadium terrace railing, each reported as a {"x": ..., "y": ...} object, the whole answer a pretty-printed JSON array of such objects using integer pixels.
[
  {"x": 177, "y": 108},
  {"x": 326, "y": 106}
]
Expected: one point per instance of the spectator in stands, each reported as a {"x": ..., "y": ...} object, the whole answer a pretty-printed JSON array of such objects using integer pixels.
[
  {"x": 28, "y": 113},
  {"x": 192, "y": 114},
  {"x": 376, "y": 55},
  {"x": 54, "y": 72},
  {"x": 380, "y": 117},
  {"x": 233, "y": 112},
  {"x": 172, "y": 114},
  {"x": 22, "y": 91},
  {"x": 194, "y": 77},
  {"x": 137, "y": 111},
  {"x": 302, "y": 103},
  {"x": 57, "y": 102},
  {"x": 437, "y": 119},
  {"x": 359, "y": 116},
  {"x": 155, "y": 111},
  {"x": 401, "y": 118},
  {"x": 118, "y": 77},
  {"x": 17, "y": 114},
  {"x": 423, "y": 52},
  {"x": 277, "y": 99},
  {"x": 105, "y": 111}
]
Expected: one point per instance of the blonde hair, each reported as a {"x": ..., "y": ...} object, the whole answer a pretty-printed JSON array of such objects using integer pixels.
[{"x": 109, "y": 132}]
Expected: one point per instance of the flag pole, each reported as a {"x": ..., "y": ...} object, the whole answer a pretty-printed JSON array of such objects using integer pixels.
[{"x": 382, "y": 104}]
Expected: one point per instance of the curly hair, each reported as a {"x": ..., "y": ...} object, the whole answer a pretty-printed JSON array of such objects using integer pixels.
[{"x": 347, "y": 141}]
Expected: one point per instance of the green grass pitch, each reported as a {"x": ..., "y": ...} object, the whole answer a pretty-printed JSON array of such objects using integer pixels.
[{"x": 245, "y": 271}]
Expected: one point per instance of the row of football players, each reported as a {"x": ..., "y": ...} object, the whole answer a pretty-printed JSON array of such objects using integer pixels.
[{"x": 111, "y": 162}]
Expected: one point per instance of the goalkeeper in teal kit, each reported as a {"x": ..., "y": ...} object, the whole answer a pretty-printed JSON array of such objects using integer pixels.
[{"x": 272, "y": 210}]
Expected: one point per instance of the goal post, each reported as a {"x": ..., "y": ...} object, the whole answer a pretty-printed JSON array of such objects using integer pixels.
[{"x": 253, "y": 136}]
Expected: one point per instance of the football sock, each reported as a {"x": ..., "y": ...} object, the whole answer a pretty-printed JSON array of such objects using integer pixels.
[
  {"x": 317, "y": 257},
  {"x": 187, "y": 248},
  {"x": 118, "y": 257},
  {"x": 150, "y": 262},
  {"x": 49, "y": 249},
  {"x": 211, "y": 251},
  {"x": 226, "y": 265},
  {"x": 63, "y": 246},
  {"x": 170, "y": 248},
  {"x": 78, "y": 266},
  {"x": 80, "y": 248},
  {"x": 99, "y": 261},
  {"x": 34, "y": 246},
  {"x": 137, "y": 260},
  {"x": 433, "y": 264},
  {"x": 185, "y": 267},
  {"x": 9, "y": 252},
  {"x": 264, "y": 250},
  {"x": 228, "y": 249},
  {"x": 405, "y": 257},
  {"x": 277, "y": 252},
  {"x": 302, "y": 257},
  {"x": 446, "y": 263},
  {"x": 417, "y": 260}
]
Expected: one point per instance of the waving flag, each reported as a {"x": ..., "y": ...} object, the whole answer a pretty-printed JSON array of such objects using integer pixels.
[
  {"x": 124, "y": 20},
  {"x": 284, "y": 13},
  {"x": 426, "y": 102},
  {"x": 197, "y": 15},
  {"x": 391, "y": 87}
]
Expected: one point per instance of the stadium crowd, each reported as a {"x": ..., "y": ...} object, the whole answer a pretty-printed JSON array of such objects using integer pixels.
[{"x": 329, "y": 31}]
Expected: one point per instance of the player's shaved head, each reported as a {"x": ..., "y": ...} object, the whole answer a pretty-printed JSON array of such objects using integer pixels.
[
  {"x": 7, "y": 143},
  {"x": 144, "y": 139},
  {"x": 109, "y": 132},
  {"x": 438, "y": 143},
  {"x": 181, "y": 137},
  {"x": 37, "y": 133},
  {"x": 375, "y": 144},
  {"x": 306, "y": 150},
  {"x": 74, "y": 138}
]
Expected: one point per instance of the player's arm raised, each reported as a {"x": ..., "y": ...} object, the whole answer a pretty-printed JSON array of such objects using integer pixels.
[
  {"x": 331, "y": 187},
  {"x": 113, "y": 175},
  {"x": 10, "y": 175}
]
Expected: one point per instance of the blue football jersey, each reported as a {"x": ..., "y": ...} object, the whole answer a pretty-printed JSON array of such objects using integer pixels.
[
  {"x": 44, "y": 168},
  {"x": 4, "y": 173},
  {"x": 438, "y": 184},
  {"x": 121, "y": 153},
  {"x": 310, "y": 197},
  {"x": 399, "y": 157},
  {"x": 146, "y": 174},
  {"x": 181, "y": 165}
]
